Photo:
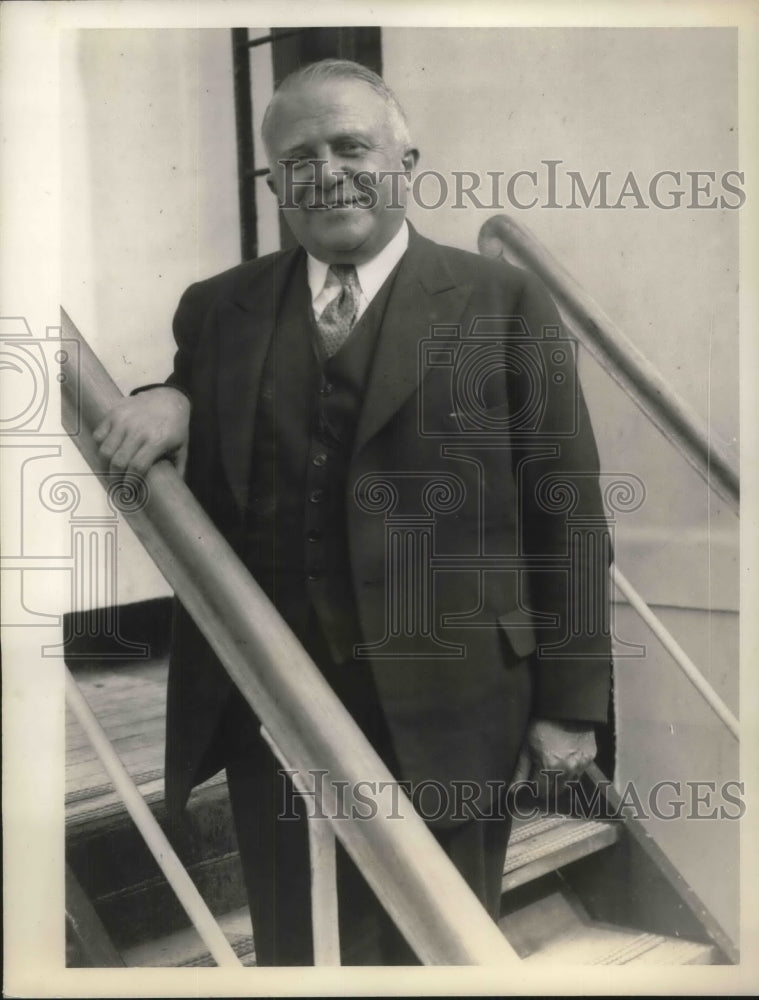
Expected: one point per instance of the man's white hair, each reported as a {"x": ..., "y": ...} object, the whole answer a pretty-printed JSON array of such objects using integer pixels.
[{"x": 342, "y": 69}]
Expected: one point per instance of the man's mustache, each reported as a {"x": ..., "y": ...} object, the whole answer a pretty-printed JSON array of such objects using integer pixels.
[
  {"x": 344, "y": 198},
  {"x": 359, "y": 189}
]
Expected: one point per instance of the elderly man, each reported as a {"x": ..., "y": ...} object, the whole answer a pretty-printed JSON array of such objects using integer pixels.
[{"x": 310, "y": 388}]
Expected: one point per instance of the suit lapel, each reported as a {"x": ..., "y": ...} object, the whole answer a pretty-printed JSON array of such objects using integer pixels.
[
  {"x": 246, "y": 324},
  {"x": 425, "y": 293}
]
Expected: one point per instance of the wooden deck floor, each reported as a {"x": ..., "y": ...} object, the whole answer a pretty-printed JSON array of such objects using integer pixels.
[{"x": 129, "y": 701}]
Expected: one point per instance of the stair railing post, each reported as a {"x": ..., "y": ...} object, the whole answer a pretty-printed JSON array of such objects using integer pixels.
[
  {"x": 322, "y": 859},
  {"x": 193, "y": 903}
]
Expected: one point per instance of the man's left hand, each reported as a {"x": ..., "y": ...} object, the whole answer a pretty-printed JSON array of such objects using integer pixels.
[{"x": 553, "y": 746}]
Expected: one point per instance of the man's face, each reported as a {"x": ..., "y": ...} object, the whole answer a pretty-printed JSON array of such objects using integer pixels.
[{"x": 334, "y": 210}]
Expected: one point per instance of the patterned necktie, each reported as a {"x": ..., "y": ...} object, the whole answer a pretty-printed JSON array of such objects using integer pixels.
[{"x": 337, "y": 319}]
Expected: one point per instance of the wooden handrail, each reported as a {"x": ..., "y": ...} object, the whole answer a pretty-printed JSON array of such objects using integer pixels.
[
  {"x": 617, "y": 354},
  {"x": 411, "y": 875}
]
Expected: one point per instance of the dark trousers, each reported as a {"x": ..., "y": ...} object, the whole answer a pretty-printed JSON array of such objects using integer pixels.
[
  {"x": 275, "y": 860},
  {"x": 274, "y": 850}
]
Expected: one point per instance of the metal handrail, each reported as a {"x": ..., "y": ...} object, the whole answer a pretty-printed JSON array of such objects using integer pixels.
[
  {"x": 617, "y": 354},
  {"x": 405, "y": 866},
  {"x": 176, "y": 875},
  {"x": 676, "y": 651}
]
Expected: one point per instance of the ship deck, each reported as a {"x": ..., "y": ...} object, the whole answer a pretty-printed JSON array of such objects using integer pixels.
[{"x": 129, "y": 701}]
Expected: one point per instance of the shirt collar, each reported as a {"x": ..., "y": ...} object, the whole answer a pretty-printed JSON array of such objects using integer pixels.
[{"x": 371, "y": 274}]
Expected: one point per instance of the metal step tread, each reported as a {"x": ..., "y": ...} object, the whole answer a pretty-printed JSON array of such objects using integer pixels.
[
  {"x": 142, "y": 889},
  {"x": 185, "y": 948},
  {"x": 556, "y": 928},
  {"x": 584, "y": 945},
  {"x": 604, "y": 945},
  {"x": 546, "y": 843}
]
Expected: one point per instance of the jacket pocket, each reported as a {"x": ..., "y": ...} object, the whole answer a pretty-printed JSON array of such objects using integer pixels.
[{"x": 517, "y": 626}]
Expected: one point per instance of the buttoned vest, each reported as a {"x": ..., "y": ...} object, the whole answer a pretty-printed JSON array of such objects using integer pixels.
[{"x": 296, "y": 540}]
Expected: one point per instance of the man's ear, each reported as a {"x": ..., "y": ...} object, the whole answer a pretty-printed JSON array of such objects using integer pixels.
[
  {"x": 270, "y": 182},
  {"x": 410, "y": 159}
]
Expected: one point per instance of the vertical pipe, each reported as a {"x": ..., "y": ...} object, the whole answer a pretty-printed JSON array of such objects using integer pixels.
[
  {"x": 321, "y": 848},
  {"x": 245, "y": 150}
]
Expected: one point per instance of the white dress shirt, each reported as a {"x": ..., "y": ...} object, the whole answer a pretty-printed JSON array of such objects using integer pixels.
[{"x": 371, "y": 275}]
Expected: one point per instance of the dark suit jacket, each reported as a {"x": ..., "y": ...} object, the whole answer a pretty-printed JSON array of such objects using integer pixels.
[{"x": 504, "y": 421}]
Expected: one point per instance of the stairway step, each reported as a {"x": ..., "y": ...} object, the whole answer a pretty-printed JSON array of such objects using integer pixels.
[
  {"x": 603, "y": 945},
  {"x": 106, "y": 851},
  {"x": 185, "y": 948},
  {"x": 546, "y": 843},
  {"x": 151, "y": 909},
  {"x": 129, "y": 700},
  {"x": 556, "y": 928},
  {"x": 138, "y": 908},
  {"x": 565, "y": 935}
]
